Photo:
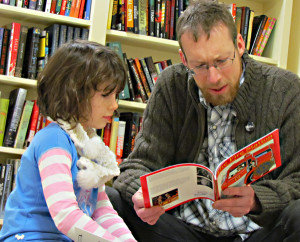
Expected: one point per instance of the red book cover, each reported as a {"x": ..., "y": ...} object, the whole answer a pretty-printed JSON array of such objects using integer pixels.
[
  {"x": 142, "y": 76},
  {"x": 53, "y": 6},
  {"x": 82, "y": 5},
  {"x": 107, "y": 131},
  {"x": 63, "y": 7},
  {"x": 169, "y": 186},
  {"x": 13, "y": 49},
  {"x": 32, "y": 124}
]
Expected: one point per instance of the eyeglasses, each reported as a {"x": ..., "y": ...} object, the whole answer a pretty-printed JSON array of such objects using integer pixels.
[{"x": 218, "y": 64}]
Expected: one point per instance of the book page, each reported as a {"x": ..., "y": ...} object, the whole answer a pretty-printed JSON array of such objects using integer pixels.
[
  {"x": 250, "y": 163},
  {"x": 84, "y": 236},
  {"x": 174, "y": 185}
]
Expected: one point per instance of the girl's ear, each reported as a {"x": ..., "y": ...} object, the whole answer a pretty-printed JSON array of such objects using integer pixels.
[{"x": 182, "y": 57}]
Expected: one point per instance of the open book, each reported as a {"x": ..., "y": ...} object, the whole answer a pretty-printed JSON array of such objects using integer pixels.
[
  {"x": 178, "y": 184},
  {"x": 84, "y": 236}
]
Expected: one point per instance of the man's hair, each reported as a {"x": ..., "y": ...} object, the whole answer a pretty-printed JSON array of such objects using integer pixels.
[
  {"x": 203, "y": 15},
  {"x": 72, "y": 76}
]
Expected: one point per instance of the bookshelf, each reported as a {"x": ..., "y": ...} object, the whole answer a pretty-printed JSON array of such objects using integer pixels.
[{"x": 134, "y": 45}]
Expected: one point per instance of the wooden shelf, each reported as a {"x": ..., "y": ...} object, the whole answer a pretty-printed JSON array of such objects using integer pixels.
[
  {"x": 17, "y": 81},
  {"x": 38, "y": 17},
  {"x": 9, "y": 150},
  {"x": 132, "y": 106}
]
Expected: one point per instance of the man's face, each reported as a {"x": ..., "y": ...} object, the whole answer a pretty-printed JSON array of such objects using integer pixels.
[{"x": 218, "y": 86}]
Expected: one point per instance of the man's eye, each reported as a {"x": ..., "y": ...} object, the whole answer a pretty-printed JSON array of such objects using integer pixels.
[
  {"x": 202, "y": 66},
  {"x": 221, "y": 61}
]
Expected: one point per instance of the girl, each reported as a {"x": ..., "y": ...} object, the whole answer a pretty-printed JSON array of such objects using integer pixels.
[{"x": 60, "y": 182}]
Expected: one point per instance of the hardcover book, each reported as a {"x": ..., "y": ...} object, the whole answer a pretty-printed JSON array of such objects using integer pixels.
[
  {"x": 174, "y": 185},
  {"x": 13, "y": 48},
  {"x": 7, "y": 185},
  {"x": 4, "y": 103},
  {"x": 23, "y": 126},
  {"x": 16, "y": 103},
  {"x": 21, "y": 51},
  {"x": 4, "y": 51}
]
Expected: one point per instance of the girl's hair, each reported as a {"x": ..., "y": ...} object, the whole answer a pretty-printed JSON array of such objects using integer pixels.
[
  {"x": 201, "y": 16},
  {"x": 72, "y": 76}
]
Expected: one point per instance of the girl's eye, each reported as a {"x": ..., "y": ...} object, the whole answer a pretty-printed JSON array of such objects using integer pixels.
[{"x": 105, "y": 94}]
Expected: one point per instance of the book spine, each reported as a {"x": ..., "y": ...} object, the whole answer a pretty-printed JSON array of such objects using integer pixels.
[
  {"x": 121, "y": 14},
  {"x": 42, "y": 52},
  {"x": 19, "y": 3},
  {"x": 53, "y": 33},
  {"x": 7, "y": 185},
  {"x": 172, "y": 21},
  {"x": 48, "y": 6},
  {"x": 40, "y": 5},
  {"x": 4, "y": 103},
  {"x": 23, "y": 126},
  {"x": 68, "y": 7},
  {"x": 58, "y": 6},
  {"x": 120, "y": 139},
  {"x": 157, "y": 18},
  {"x": 4, "y": 52},
  {"x": 1, "y": 39},
  {"x": 129, "y": 80},
  {"x": 2, "y": 179},
  {"x": 142, "y": 17},
  {"x": 82, "y": 5},
  {"x": 147, "y": 74},
  {"x": 21, "y": 51},
  {"x": 12, "y": 2},
  {"x": 107, "y": 133},
  {"x": 63, "y": 7},
  {"x": 167, "y": 18},
  {"x": 6, "y": 2},
  {"x": 53, "y": 6},
  {"x": 62, "y": 37},
  {"x": 250, "y": 29},
  {"x": 162, "y": 22},
  {"x": 266, "y": 36},
  {"x": 13, "y": 49},
  {"x": 137, "y": 80},
  {"x": 142, "y": 77},
  {"x": 151, "y": 68},
  {"x": 87, "y": 12},
  {"x": 114, "y": 134},
  {"x": 262, "y": 20},
  {"x": 16, "y": 103},
  {"x": 266, "y": 26},
  {"x": 134, "y": 130},
  {"x": 77, "y": 8},
  {"x": 32, "y": 4},
  {"x": 130, "y": 17},
  {"x": 114, "y": 16},
  {"x": 151, "y": 17},
  {"x": 33, "y": 124}
]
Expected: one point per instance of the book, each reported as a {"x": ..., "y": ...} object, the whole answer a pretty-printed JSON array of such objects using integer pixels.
[
  {"x": 238, "y": 19},
  {"x": 257, "y": 28},
  {"x": 32, "y": 4},
  {"x": 266, "y": 36},
  {"x": 62, "y": 37},
  {"x": 129, "y": 26},
  {"x": 107, "y": 132},
  {"x": 151, "y": 17},
  {"x": 73, "y": 6},
  {"x": 1, "y": 39},
  {"x": 114, "y": 15},
  {"x": 143, "y": 19},
  {"x": 41, "y": 57},
  {"x": 58, "y": 6},
  {"x": 2, "y": 178},
  {"x": 53, "y": 36},
  {"x": 70, "y": 33},
  {"x": 68, "y": 7},
  {"x": 63, "y": 7},
  {"x": 136, "y": 16},
  {"x": 7, "y": 185},
  {"x": 77, "y": 8},
  {"x": 147, "y": 74},
  {"x": 40, "y": 5},
  {"x": 23, "y": 126},
  {"x": 157, "y": 18},
  {"x": 21, "y": 51},
  {"x": 178, "y": 184},
  {"x": 151, "y": 68},
  {"x": 245, "y": 23},
  {"x": 31, "y": 53},
  {"x": 82, "y": 6},
  {"x": 83, "y": 235},
  {"x": 87, "y": 11},
  {"x": 120, "y": 139},
  {"x": 13, "y": 49},
  {"x": 53, "y": 6},
  {"x": 172, "y": 21},
  {"x": 84, "y": 33},
  {"x": 16, "y": 103},
  {"x": 142, "y": 77},
  {"x": 258, "y": 43},
  {"x": 114, "y": 134},
  {"x": 4, "y": 102},
  {"x": 137, "y": 79},
  {"x": 129, "y": 80},
  {"x": 32, "y": 124},
  {"x": 249, "y": 35},
  {"x": 116, "y": 46},
  {"x": 4, "y": 51}
]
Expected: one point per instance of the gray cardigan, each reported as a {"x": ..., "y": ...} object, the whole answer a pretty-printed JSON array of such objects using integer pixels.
[{"x": 174, "y": 126}]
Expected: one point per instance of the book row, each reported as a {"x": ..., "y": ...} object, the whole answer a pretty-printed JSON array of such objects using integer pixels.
[
  {"x": 119, "y": 134},
  {"x": 255, "y": 30},
  {"x": 72, "y": 8},
  {"x": 24, "y": 51},
  {"x": 142, "y": 74},
  {"x": 147, "y": 17},
  {"x": 158, "y": 18},
  {"x": 20, "y": 119}
]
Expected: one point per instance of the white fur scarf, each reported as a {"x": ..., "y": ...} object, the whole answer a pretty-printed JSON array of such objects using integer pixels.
[{"x": 97, "y": 163}]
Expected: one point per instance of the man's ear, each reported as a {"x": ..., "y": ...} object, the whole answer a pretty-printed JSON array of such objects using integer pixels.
[
  {"x": 240, "y": 44},
  {"x": 182, "y": 57}
]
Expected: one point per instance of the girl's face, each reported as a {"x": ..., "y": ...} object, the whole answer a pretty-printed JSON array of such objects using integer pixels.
[{"x": 103, "y": 106}]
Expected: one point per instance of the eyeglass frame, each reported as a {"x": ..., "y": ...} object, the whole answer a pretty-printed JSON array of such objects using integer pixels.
[{"x": 207, "y": 66}]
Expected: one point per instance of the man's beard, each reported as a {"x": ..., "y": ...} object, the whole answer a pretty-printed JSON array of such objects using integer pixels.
[{"x": 222, "y": 99}]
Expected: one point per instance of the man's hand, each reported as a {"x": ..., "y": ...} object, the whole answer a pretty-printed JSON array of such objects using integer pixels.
[
  {"x": 148, "y": 215},
  {"x": 239, "y": 202}
]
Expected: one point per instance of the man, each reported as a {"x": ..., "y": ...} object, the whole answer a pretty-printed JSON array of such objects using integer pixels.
[{"x": 215, "y": 103}]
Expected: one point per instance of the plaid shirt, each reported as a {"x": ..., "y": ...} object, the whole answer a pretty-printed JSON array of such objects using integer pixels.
[{"x": 218, "y": 145}]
